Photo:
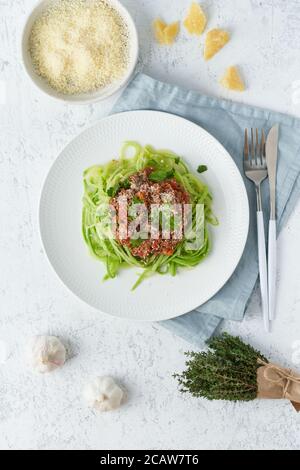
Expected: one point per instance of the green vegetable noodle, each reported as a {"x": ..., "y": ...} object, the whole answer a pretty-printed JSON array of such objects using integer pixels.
[{"x": 104, "y": 182}]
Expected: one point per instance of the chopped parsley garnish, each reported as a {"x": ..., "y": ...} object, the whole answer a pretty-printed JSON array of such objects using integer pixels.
[
  {"x": 111, "y": 192},
  {"x": 161, "y": 175},
  {"x": 152, "y": 163},
  {"x": 136, "y": 243},
  {"x": 125, "y": 184},
  {"x": 202, "y": 168},
  {"x": 136, "y": 200}
]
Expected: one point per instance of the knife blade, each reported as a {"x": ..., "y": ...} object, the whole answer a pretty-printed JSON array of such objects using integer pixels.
[{"x": 272, "y": 156}]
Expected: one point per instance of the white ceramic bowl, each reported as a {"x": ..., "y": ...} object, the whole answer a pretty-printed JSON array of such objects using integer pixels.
[{"x": 83, "y": 98}]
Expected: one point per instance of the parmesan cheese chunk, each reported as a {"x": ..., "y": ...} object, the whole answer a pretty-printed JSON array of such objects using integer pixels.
[
  {"x": 79, "y": 46},
  {"x": 196, "y": 20},
  {"x": 233, "y": 80},
  {"x": 215, "y": 41},
  {"x": 165, "y": 34},
  {"x": 159, "y": 27}
]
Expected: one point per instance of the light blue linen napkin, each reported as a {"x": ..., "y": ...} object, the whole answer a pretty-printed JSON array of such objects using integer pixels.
[{"x": 226, "y": 121}]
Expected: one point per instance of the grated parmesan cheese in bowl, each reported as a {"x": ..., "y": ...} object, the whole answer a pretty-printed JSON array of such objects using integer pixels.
[{"x": 81, "y": 49}]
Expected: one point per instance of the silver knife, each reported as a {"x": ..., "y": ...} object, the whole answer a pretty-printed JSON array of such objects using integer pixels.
[{"x": 272, "y": 156}]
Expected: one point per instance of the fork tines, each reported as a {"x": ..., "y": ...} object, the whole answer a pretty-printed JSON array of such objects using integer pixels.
[{"x": 255, "y": 151}]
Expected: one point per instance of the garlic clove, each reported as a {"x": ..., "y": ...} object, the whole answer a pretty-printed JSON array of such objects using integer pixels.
[
  {"x": 103, "y": 394},
  {"x": 46, "y": 354}
]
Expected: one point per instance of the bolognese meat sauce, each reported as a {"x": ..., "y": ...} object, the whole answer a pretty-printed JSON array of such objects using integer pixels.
[{"x": 142, "y": 189}]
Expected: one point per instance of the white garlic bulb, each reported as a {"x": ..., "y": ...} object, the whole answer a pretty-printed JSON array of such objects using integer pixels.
[
  {"x": 46, "y": 353},
  {"x": 103, "y": 394}
]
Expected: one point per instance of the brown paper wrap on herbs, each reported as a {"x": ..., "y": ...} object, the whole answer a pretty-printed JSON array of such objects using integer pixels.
[{"x": 275, "y": 382}]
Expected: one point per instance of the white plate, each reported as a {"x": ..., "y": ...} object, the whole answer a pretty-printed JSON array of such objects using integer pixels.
[{"x": 159, "y": 297}]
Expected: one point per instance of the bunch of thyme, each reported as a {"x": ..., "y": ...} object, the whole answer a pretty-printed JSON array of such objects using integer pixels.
[{"x": 227, "y": 371}]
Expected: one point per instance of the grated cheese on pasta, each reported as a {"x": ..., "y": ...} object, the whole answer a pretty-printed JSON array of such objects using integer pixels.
[{"x": 79, "y": 46}]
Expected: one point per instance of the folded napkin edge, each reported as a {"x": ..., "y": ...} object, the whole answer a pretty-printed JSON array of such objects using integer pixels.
[
  {"x": 247, "y": 110},
  {"x": 204, "y": 327}
]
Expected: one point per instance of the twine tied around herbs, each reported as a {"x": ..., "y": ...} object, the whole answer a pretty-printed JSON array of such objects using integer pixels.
[{"x": 274, "y": 381}]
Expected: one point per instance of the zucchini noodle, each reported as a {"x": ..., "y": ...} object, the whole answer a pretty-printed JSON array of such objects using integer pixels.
[{"x": 101, "y": 182}]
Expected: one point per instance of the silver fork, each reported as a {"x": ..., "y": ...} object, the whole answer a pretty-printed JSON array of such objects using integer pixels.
[{"x": 255, "y": 168}]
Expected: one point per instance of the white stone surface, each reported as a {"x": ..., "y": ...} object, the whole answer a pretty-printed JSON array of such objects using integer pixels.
[{"x": 48, "y": 412}]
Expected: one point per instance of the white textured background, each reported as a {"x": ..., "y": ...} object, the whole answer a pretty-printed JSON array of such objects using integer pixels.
[{"x": 48, "y": 412}]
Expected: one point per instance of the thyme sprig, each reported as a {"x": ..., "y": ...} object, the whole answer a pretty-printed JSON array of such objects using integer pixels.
[{"x": 227, "y": 371}]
